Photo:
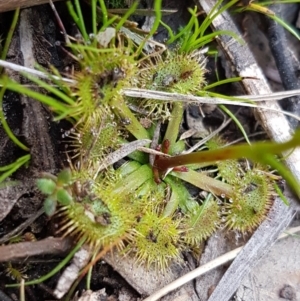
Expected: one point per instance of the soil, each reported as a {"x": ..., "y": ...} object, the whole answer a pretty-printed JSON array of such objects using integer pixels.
[{"x": 32, "y": 123}]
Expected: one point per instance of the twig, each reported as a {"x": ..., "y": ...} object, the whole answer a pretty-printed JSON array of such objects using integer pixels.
[
  {"x": 50, "y": 245},
  {"x": 22, "y": 290},
  {"x": 285, "y": 66},
  {"x": 31, "y": 71},
  {"x": 159, "y": 95},
  {"x": 59, "y": 21},
  {"x": 21, "y": 227},
  {"x": 14, "y": 4},
  {"x": 208, "y": 137},
  {"x": 71, "y": 273},
  {"x": 120, "y": 153}
]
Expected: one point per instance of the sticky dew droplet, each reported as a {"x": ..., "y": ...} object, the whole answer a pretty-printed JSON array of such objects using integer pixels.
[
  {"x": 237, "y": 235},
  {"x": 222, "y": 226}
]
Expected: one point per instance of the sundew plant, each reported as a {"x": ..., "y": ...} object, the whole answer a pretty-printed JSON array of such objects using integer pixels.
[{"x": 143, "y": 207}]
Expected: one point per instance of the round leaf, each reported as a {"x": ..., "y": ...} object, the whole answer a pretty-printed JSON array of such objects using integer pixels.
[
  {"x": 63, "y": 197},
  {"x": 46, "y": 186},
  {"x": 64, "y": 176},
  {"x": 50, "y": 206}
]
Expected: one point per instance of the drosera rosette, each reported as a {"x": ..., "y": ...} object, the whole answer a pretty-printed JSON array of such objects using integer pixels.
[
  {"x": 94, "y": 139},
  {"x": 104, "y": 72},
  {"x": 102, "y": 217},
  {"x": 102, "y": 222},
  {"x": 106, "y": 209},
  {"x": 252, "y": 199},
  {"x": 253, "y": 191},
  {"x": 157, "y": 240},
  {"x": 201, "y": 222},
  {"x": 173, "y": 71},
  {"x": 166, "y": 224}
]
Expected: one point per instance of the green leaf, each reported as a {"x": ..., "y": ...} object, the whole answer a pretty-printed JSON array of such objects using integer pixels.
[
  {"x": 46, "y": 186},
  {"x": 133, "y": 181},
  {"x": 10, "y": 35},
  {"x": 5, "y": 125},
  {"x": 11, "y": 168},
  {"x": 63, "y": 197},
  {"x": 50, "y": 206},
  {"x": 281, "y": 195},
  {"x": 179, "y": 197},
  {"x": 65, "y": 176}
]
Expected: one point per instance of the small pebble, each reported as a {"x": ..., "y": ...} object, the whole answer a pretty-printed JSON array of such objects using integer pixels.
[{"x": 288, "y": 293}]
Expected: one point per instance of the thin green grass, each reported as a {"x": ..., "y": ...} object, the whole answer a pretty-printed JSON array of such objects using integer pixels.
[
  {"x": 9, "y": 35},
  {"x": 237, "y": 122},
  {"x": 56, "y": 269},
  {"x": 9, "y": 169},
  {"x": 5, "y": 125}
]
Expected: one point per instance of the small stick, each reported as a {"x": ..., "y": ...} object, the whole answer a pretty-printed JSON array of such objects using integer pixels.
[
  {"x": 50, "y": 245},
  {"x": 14, "y": 4},
  {"x": 33, "y": 72},
  {"x": 23, "y": 226},
  {"x": 59, "y": 21}
]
